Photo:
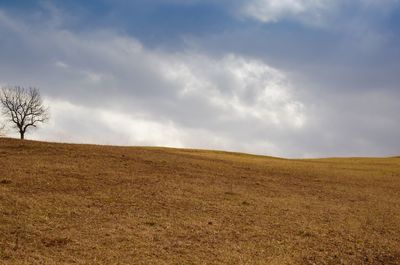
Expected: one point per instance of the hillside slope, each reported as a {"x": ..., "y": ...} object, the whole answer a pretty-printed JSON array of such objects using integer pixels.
[{"x": 81, "y": 204}]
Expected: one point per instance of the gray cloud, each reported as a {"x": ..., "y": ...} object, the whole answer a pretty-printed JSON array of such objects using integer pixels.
[{"x": 107, "y": 87}]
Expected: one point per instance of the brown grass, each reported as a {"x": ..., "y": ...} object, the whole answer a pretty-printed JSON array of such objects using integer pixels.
[{"x": 81, "y": 204}]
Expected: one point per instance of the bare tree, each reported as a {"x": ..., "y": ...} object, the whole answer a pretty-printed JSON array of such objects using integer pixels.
[
  {"x": 23, "y": 107},
  {"x": 2, "y": 129}
]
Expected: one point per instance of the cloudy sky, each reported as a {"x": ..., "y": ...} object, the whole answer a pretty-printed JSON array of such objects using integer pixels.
[{"x": 292, "y": 78}]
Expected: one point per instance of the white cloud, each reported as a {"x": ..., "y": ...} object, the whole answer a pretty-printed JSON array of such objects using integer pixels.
[
  {"x": 274, "y": 10},
  {"x": 107, "y": 88},
  {"x": 75, "y": 123},
  {"x": 314, "y": 12},
  {"x": 80, "y": 124},
  {"x": 62, "y": 65},
  {"x": 241, "y": 88}
]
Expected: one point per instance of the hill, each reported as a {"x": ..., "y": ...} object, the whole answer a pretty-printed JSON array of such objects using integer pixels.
[{"x": 85, "y": 204}]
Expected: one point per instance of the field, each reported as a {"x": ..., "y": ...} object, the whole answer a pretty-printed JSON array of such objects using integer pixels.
[{"x": 85, "y": 204}]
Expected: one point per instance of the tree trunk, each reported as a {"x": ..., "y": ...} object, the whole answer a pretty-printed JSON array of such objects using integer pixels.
[{"x": 22, "y": 135}]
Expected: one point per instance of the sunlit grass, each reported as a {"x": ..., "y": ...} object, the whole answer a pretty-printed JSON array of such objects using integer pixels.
[{"x": 66, "y": 204}]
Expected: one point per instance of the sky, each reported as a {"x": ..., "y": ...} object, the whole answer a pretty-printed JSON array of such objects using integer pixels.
[{"x": 289, "y": 78}]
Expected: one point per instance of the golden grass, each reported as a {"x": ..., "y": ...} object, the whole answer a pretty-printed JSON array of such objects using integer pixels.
[{"x": 81, "y": 204}]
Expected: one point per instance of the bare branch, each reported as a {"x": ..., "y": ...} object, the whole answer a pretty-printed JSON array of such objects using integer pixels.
[
  {"x": 2, "y": 129},
  {"x": 23, "y": 107}
]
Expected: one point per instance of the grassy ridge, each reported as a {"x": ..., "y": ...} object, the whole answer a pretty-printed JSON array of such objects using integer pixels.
[{"x": 82, "y": 204}]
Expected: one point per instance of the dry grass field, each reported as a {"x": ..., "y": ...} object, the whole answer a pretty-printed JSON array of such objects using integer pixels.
[{"x": 83, "y": 204}]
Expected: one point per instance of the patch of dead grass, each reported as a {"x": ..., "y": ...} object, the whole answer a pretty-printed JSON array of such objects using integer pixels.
[{"x": 83, "y": 204}]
